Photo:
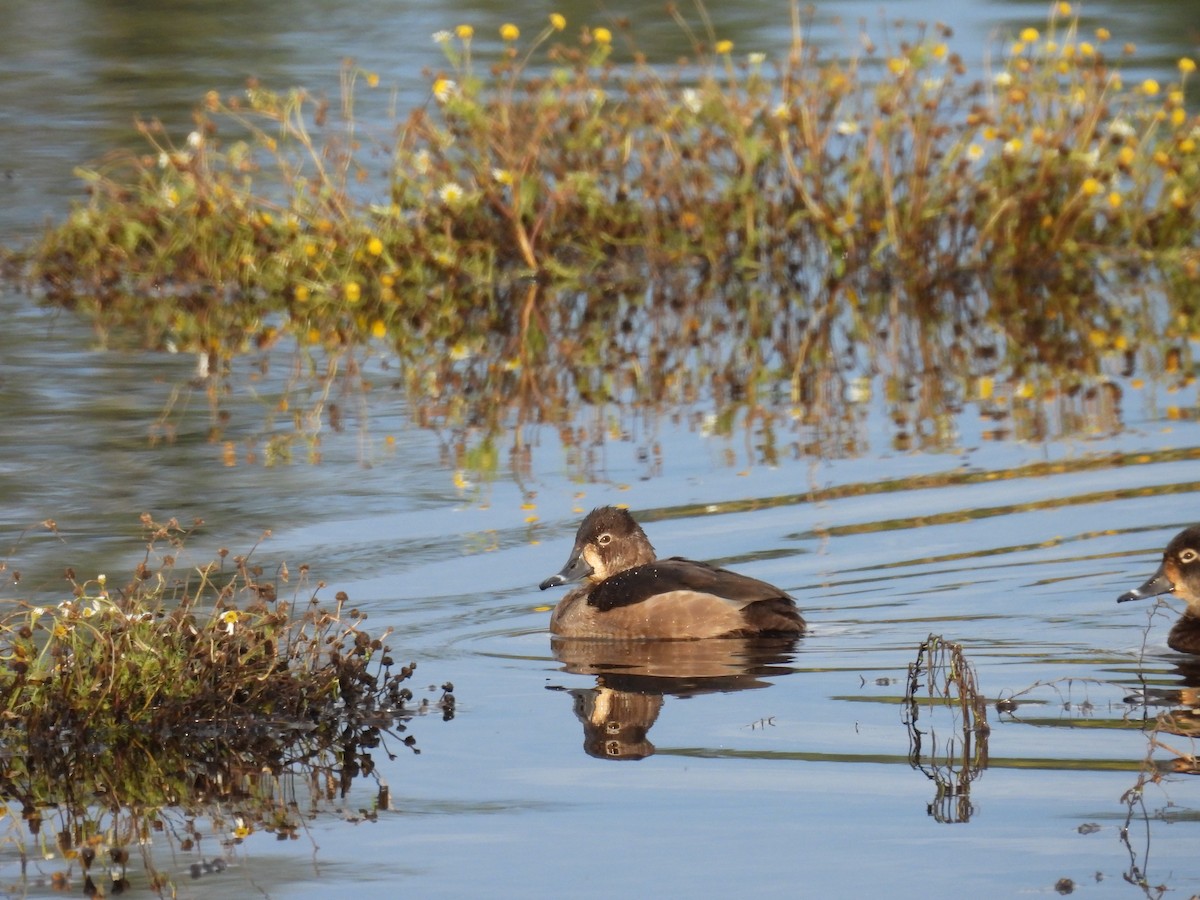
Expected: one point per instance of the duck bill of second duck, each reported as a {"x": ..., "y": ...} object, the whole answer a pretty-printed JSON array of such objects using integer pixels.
[{"x": 1156, "y": 585}]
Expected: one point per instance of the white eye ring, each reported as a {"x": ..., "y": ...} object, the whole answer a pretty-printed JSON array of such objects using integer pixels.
[
  {"x": 1187, "y": 556},
  {"x": 604, "y": 539}
]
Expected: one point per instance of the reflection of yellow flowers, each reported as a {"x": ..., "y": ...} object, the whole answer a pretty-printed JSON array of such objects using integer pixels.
[
  {"x": 509, "y": 32},
  {"x": 724, "y": 48},
  {"x": 602, "y": 35},
  {"x": 557, "y": 21}
]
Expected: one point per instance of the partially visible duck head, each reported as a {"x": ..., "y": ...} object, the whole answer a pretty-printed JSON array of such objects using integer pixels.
[
  {"x": 608, "y": 541},
  {"x": 1179, "y": 573}
]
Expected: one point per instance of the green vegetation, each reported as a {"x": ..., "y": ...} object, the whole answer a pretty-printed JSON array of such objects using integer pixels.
[
  {"x": 128, "y": 713},
  {"x": 557, "y": 227}
]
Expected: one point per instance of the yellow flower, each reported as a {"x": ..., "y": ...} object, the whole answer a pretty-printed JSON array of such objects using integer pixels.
[
  {"x": 1187, "y": 65},
  {"x": 379, "y": 328},
  {"x": 1178, "y": 116},
  {"x": 897, "y": 65},
  {"x": 502, "y": 176},
  {"x": 509, "y": 32},
  {"x": 1091, "y": 187},
  {"x": 1064, "y": 9},
  {"x": 1125, "y": 156},
  {"x": 375, "y": 246},
  {"x": 1114, "y": 200},
  {"x": 557, "y": 21},
  {"x": 300, "y": 292},
  {"x": 352, "y": 292},
  {"x": 373, "y": 79},
  {"x": 1029, "y": 35},
  {"x": 724, "y": 48},
  {"x": 444, "y": 89},
  {"x": 602, "y": 35},
  {"x": 464, "y": 32},
  {"x": 1103, "y": 34},
  {"x": 1150, "y": 87},
  {"x": 974, "y": 152}
]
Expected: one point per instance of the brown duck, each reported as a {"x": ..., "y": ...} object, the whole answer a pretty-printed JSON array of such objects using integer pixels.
[
  {"x": 628, "y": 593},
  {"x": 1179, "y": 574}
]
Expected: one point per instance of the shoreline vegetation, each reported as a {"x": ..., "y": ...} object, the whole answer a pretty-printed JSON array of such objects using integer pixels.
[
  {"x": 171, "y": 717},
  {"x": 557, "y": 229}
]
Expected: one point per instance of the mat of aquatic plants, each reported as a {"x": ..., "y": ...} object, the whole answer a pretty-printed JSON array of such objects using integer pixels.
[{"x": 555, "y": 228}]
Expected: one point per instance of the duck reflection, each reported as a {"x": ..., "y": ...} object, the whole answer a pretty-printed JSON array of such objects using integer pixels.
[{"x": 634, "y": 677}]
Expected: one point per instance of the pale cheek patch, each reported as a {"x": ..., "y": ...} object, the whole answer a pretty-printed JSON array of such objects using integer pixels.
[{"x": 592, "y": 558}]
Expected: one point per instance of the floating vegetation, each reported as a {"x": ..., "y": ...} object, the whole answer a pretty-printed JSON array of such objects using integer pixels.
[
  {"x": 941, "y": 678},
  {"x": 187, "y": 710},
  {"x": 564, "y": 225}
]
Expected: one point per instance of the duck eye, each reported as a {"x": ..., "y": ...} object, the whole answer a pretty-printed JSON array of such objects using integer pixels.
[
  {"x": 604, "y": 540},
  {"x": 1188, "y": 556}
]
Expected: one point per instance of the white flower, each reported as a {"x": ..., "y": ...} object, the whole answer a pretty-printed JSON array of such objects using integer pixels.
[
  {"x": 757, "y": 59},
  {"x": 691, "y": 100},
  {"x": 846, "y": 128},
  {"x": 451, "y": 193},
  {"x": 1003, "y": 79},
  {"x": 421, "y": 162},
  {"x": 442, "y": 37},
  {"x": 1119, "y": 128},
  {"x": 195, "y": 140}
]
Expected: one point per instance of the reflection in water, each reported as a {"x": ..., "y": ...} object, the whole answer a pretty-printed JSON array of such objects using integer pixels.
[
  {"x": 633, "y": 677},
  {"x": 948, "y": 680}
]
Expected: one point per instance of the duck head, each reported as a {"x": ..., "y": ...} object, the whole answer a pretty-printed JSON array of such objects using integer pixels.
[
  {"x": 608, "y": 541},
  {"x": 1179, "y": 573}
]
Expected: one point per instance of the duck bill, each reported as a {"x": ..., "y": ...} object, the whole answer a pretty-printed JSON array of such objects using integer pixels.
[
  {"x": 576, "y": 569},
  {"x": 1159, "y": 583}
]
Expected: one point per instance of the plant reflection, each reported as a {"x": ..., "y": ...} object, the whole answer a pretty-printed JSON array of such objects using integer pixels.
[
  {"x": 634, "y": 677},
  {"x": 942, "y": 673},
  {"x": 87, "y": 806}
]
